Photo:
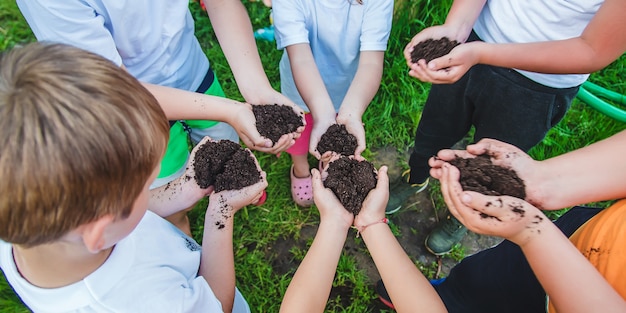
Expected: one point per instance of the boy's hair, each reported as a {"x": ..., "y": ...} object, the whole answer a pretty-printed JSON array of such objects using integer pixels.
[{"x": 80, "y": 138}]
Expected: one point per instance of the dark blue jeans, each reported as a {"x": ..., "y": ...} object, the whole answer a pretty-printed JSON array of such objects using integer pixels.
[
  {"x": 500, "y": 279},
  {"x": 499, "y": 102}
]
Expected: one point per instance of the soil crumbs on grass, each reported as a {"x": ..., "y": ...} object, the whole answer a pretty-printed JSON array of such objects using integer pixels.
[
  {"x": 430, "y": 49},
  {"x": 226, "y": 165},
  {"x": 481, "y": 175},
  {"x": 351, "y": 181},
  {"x": 274, "y": 120},
  {"x": 337, "y": 139}
]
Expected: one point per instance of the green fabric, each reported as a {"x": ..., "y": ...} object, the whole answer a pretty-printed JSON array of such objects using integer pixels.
[
  {"x": 176, "y": 152},
  {"x": 178, "y": 145}
]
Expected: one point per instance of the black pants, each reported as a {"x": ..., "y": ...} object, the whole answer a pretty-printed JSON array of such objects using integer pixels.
[
  {"x": 499, "y": 102},
  {"x": 500, "y": 279}
]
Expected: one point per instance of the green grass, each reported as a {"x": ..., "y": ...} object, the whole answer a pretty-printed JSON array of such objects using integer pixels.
[{"x": 279, "y": 227}]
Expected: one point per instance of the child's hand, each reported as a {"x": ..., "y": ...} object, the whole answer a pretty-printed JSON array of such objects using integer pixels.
[
  {"x": 244, "y": 123},
  {"x": 450, "y": 67},
  {"x": 228, "y": 202},
  {"x": 330, "y": 208},
  {"x": 271, "y": 96},
  {"x": 373, "y": 209},
  {"x": 433, "y": 32},
  {"x": 503, "y": 216},
  {"x": 438, "y": 70},
  {"x": 354, "y": 125},
  {"x": 319, "y": 128},
  {"x": 502, "y": 154}
]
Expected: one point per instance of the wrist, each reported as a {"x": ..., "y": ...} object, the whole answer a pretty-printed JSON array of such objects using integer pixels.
[{"x": 360, "y": 228}]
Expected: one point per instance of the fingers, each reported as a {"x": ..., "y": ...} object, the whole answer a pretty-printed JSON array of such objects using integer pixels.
[
  {"x": 373, "y": 208},
  {"x": 323, "y": 197}
]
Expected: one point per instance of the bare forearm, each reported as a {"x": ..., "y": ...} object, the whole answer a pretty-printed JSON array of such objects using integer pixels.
[
  {"x": 181, "y": 104},
  {"x": 593, "y": 50},
  {"x": 309, "y": 81},
  {"x": 364, "y": 85},
  {"x": 552, "y": 57},
  {"x": 234, "y": 32},
  {"x": 309, "y": 289},
  {"x": 172, "y": 198},
  {"x": 572, "y": 178},
  {"x": 463, "y": 15},
  {"x": 563, "y": 271},
  {"x": 406, "y": 285},
  {"x": 217, "y": 263}
]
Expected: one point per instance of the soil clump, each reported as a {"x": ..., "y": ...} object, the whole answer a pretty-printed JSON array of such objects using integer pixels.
[
  {"x": 430, "y": 49},
  {"x": 274, "y": 120},
  {"x": 337, "y": 139},
  {"x": 226, "y": 165},
  {"x": 351, "y": 180},
  {"x": 481, "y": 175}
]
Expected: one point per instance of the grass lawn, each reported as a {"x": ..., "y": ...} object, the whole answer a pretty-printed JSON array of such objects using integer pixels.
[{"x": 261, "y": 233}]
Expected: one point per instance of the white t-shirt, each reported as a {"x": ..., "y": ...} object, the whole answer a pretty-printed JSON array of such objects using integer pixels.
[
  {"x": 153, "y": 39},
  {"x": 537, "y": 20},
  {"x": 153, "y": 270},
  {"x": 337, "y": 31}
]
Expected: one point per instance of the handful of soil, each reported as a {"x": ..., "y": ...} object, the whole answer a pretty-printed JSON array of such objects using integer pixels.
[
  {"x": 274, "y": 120},
  {"x": 226, "y": 165},
  {"x": 337, "y": 139},
  {"x": 351, "y": 181},
  {"x": 430, "y": 49},
  {"x": 481, "y": 175}
]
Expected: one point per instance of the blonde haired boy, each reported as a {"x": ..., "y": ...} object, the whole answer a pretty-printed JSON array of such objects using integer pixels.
[{"x": 82, "y": 145}]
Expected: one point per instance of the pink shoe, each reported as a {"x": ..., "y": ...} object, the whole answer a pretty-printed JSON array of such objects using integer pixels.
[{"x": 301, "y": 190}]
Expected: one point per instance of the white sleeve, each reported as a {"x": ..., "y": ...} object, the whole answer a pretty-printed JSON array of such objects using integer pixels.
[
  {"x": 376, "y": 25},
  {"x": 71, "y": 22},
  {"x": 289, "y": 23}
]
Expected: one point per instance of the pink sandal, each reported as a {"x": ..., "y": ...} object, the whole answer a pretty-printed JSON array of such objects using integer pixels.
[{"x": 301, "y": 190}]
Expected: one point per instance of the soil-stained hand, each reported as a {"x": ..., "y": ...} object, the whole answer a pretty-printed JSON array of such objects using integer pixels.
[
  {"x": 244, "y": 123},
  {"x": 450, "y": 67},
  {"x": 503, "y": 216},
  {"x": 319, "y": 128},
  {"x": 433, "y": 32},
  {"x": 226, "y": 203},
  {"x": 439, "y": 70},
  {"x": 373, "y": 208},
  {"x": 181, "y": 193},
  {"x": 329, "y": 206},
  {"x": 354, "y": 125},
  {"x": 502, "y": 154}
]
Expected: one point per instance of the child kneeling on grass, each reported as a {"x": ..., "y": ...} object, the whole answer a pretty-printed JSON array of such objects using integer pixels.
[{"x": 83, "y": 144}]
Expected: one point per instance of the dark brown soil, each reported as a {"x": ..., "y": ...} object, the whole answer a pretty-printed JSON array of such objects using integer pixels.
[
  {"x": 481, "y": 175},
  {"x": 430, "y": 49},
  {"x": 337, "y": 139},
  {"x": 274, "y": 120},
  {"x": 226, "y": 165},
  {"x": 351, "y": 181}
]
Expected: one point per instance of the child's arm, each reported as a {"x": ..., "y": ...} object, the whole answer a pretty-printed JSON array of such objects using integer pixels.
[
  {"x": 593, "y": 173},
  {"x": 458, "y": 26},
  {"x": 597, "y": 46},
  {"x": 361, "y": 92},
  {"x": 313, "y": 91},
  {"x": 237, "y": 114},
  {"x": 560, "y": 268},
  {"x": 406, "y": 285},
  {"x": 217, "y": 263},
  {"x": 234, "y": 32},
  {"x": 181, "y": 193},
  {"x": 311, "y": 284}
]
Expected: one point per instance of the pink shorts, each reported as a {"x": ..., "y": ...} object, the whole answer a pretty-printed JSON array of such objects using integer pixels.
[{"x": 301, "y": 147}]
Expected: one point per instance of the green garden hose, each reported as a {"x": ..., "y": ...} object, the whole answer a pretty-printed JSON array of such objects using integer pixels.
[{"x": 590, "y": 94}]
